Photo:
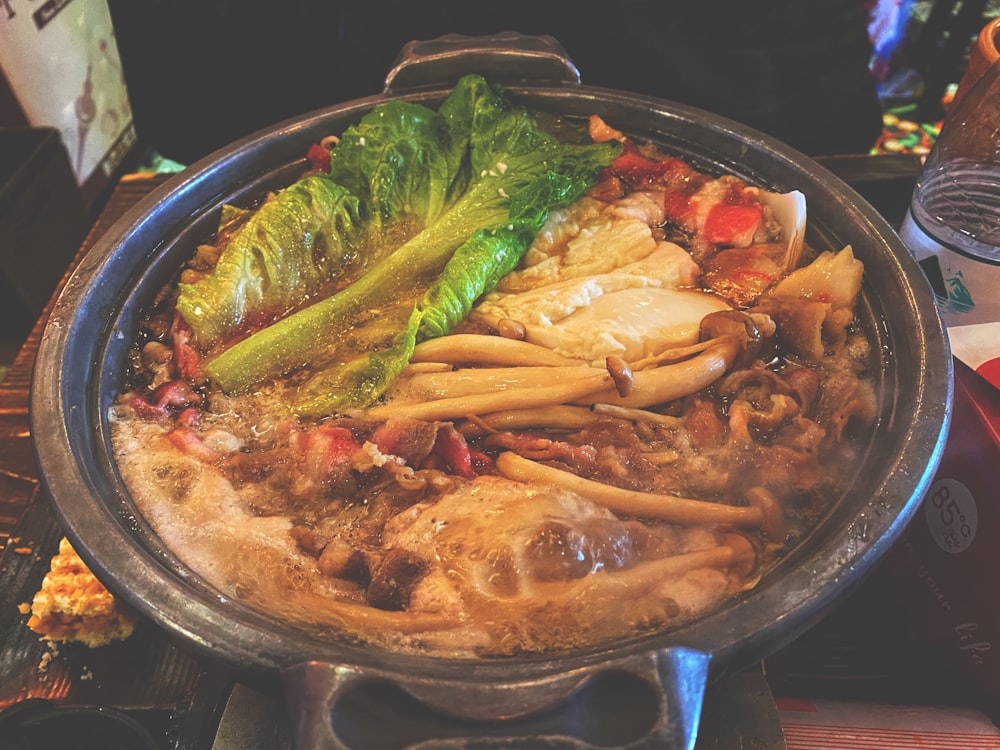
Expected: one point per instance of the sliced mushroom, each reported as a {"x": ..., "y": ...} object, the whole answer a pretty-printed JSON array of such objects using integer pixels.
[{"x": 741, "y": 327}]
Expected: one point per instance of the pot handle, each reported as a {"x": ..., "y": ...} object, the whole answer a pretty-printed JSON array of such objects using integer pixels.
[
  {"x": 507, "y": 58},
  {"x": 650, "y": 700}
]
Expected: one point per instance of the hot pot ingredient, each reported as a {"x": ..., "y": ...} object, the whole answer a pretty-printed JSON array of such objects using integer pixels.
[
  {"x": 644, "y": 392},
  {"x": 430, "y": 206}
]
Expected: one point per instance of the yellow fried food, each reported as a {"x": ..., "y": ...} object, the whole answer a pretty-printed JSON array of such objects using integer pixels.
[{"x": 72, "y": 605}]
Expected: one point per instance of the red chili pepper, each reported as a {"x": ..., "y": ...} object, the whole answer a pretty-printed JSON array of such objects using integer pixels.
[
  {"x": 319, "y": 158},
  {"x": 732, "y": 224}
]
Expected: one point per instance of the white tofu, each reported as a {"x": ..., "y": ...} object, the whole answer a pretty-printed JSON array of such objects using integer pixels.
[
  {"x": 631, "y": 323},
  {"x": 629, "y": 312}
]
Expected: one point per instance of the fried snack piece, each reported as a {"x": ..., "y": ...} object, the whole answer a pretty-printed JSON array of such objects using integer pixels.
[{"x": 72, "y": 605}]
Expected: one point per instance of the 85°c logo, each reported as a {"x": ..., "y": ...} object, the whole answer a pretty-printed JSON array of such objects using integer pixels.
[{"x": 951, "y": 515}]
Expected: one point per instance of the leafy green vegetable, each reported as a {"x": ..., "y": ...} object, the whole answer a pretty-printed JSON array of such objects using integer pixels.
[
  {"x": 399, "y": 160},
  {"x": 477, "y": 174},
  {"x": 289, "y": 248},
  {"x": 231, "y": 218},
  {"x": 474, "y": 269}
]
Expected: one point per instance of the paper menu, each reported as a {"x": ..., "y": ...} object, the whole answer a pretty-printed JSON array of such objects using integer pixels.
[{"x": 61, "y": 61}]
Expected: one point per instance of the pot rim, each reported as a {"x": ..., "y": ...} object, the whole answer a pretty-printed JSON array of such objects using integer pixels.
[{"x": 117, "y": 544}]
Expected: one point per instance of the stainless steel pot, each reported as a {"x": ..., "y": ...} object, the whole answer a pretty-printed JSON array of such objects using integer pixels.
[{"x": 83, "y": 354}]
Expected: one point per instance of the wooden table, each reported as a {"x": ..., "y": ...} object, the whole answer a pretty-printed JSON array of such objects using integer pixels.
[{"x": 18, "y": 472}]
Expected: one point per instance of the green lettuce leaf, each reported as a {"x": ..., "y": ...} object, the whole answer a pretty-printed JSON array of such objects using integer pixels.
[
  {"x": 475, "y": 268},
  {"x": 511, "y": 172},
  {"x": 291, "y": 247},
  {"x": 400, "y": 161}
]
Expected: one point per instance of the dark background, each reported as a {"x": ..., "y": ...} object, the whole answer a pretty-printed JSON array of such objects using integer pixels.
[{"x": 201, "y": 73}]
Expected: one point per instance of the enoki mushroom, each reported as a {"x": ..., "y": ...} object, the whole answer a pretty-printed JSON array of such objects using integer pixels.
[
  {"x": 480, "y": 391},
  {"x": 763, "y": 513},
  {"x": 486, "y": 403},
  {"x": 560, "y": 416},
  {"x": 734, "y": 551},
  {"x": 472, "y": 348}
]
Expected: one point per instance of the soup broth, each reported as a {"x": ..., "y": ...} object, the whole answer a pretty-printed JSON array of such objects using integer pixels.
[{"x": 627, "y": 424}]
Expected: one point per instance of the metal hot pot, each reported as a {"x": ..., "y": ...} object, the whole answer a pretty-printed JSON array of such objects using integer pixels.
[{"x": 83, "y": 354}]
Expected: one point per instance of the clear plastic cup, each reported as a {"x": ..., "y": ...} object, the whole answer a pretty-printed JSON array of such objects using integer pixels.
[{"x": 953, "y": 225}]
